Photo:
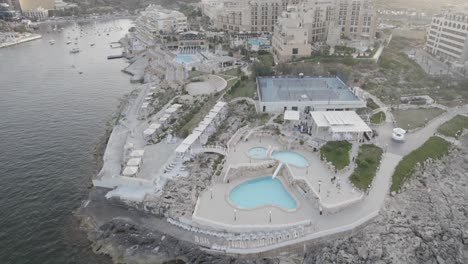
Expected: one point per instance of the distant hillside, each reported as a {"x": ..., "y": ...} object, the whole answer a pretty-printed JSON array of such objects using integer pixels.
[{"x": 424, "y": 5}]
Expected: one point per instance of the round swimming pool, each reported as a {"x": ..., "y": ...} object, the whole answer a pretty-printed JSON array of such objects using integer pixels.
[
  {"x": 258, "y": 152},
  {"x": 262, "y": 191},
  {"x": 290, "y": 157}
]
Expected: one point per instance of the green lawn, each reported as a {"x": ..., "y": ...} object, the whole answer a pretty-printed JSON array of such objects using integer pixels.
[
  {"x": 378, "y": 118},
  {"x": 415, "y": 117},
  {"x": 195, "y": 74},
  {"x": 266, "y": 59},
  {"x": 367, "y": 161},
  {"x": 451, "y": 127},
  {"x": 336, "y": 152},
  {"x": 231, "y": 72},
  {"x": 434, "y": 148},
  {"x": 262, "y": 118},
  {"x": 371, "y": 104},
  {"x": 246, "y": 88},
  {"x": 231, "y": 82}
]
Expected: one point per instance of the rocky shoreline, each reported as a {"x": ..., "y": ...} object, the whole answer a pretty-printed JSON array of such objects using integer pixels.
[{"x": 426, "y": 223}]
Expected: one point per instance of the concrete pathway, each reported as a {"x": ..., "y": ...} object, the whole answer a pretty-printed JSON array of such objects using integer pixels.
[{"x": 357, "y": 214}]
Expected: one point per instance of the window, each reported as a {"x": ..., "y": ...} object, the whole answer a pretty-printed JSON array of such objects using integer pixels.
[{"x": 295, "y": 51}]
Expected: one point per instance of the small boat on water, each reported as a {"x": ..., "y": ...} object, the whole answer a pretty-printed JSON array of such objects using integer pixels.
[
  {"x": 69, "y": 42},
  {"x": 75, "y": 50},
  {"x": 92, "y": 44},
  {"x": 51, "y": 42}
]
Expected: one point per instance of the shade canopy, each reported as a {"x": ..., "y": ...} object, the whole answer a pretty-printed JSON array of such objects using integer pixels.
[
  {"x": 130, "y": 171},
  {"x": 137, "y": 153},
  {"x": 134, "y": 162},
  {"x": 291, "y": 115},
  {"x": 155, "y": 126},
  {"x": 340, "y": 121},
  {"x": 149, "y": 131}
]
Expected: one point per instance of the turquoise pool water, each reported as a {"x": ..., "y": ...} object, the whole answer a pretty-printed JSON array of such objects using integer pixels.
[
  {"x": 258, "y": 152},
  {"x": 258, "y": 42},
  {"x": 262, "y": 191},
  {"x": 184, "y": 59},
  {"x": 290, "y": 157}
]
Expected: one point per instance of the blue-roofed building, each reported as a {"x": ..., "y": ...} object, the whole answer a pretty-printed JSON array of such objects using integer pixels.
[{"x": 307, "y": 93}]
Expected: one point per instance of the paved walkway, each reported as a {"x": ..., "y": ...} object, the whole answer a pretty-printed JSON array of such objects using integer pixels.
[{"x": 357, "y": 214}]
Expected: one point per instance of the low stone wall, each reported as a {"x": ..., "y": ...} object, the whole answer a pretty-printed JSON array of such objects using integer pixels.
[{"x": 249, "y": 170}]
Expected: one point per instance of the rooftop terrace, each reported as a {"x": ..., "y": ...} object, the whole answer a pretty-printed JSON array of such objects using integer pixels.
[{"x": 307, "y": 88}]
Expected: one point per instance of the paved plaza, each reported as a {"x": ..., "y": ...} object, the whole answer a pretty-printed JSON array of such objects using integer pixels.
[{"x": 214, "y": 206}]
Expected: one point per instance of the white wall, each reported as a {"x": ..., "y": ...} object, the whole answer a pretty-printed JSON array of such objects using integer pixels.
[{"x": 278, "y": 107}]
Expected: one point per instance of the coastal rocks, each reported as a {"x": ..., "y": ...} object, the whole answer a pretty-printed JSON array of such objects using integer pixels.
[
  {"x": 424, "y": 224},
  {"x": 130, "y": 243},
  {"x": 239, "y": 114},
  {"x": 179, "y": 196}
]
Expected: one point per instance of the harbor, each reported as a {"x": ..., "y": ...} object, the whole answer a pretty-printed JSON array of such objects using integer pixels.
[
  {"x": 13, "y": 41},
  {"x": 48, "y": 177}
]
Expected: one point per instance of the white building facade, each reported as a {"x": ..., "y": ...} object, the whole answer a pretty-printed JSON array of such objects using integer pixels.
[
  {"x": 155, "y": 21},
  {"x": 244, "y": 15},
  {"x": 39, "y": 14},
  {"x": 447, "y": 37},
  {"x": 290, "y": 38},
  {"x": 357, "y": 19}
]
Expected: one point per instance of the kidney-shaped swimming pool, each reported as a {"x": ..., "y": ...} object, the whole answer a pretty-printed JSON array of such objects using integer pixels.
[{"x": 262, "y": 191}]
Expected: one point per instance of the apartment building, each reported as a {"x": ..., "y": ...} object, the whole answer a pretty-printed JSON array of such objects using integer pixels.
[
  {"x": 447, "y": 37},
  {"x": 291, "y": 36},
  {"x": 318, "y": 15},
  {"x": 155, "y": 21},
  {"x": 326, "y": 21},
  {"x": 357, "y": 19},
  {"x": 244, "y": 15}
]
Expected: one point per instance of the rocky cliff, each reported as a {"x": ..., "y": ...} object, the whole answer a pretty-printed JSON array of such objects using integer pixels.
[{"x": 426, "y": 223}]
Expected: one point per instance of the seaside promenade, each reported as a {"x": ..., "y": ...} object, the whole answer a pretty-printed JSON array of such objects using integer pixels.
[{"x": 22, "y": 39}]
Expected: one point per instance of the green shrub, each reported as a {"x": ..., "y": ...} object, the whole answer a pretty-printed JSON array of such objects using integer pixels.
[
  {"x": 453, "y": 127},
  {"x": 336, "y": 152},
  {"x": 367, "y": 162},
  {"x": 434, "y": 148}
]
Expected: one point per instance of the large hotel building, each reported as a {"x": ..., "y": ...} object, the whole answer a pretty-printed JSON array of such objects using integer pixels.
[
  {"x": 356, "y": 18},
  {"x": 320, "y": 22},
  {"x": 447, "y": 37},
  {"x": 244, "y": 15}
]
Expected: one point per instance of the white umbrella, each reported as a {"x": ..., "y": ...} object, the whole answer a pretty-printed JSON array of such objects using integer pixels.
[
  {"x": 348, "y": 136},
  {"x": 336, "y": 136}
]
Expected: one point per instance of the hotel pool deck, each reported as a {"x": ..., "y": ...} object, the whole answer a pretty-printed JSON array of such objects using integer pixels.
[
  {"x": 262, "y": 191},
  {"x": 219, "y": 211}
]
